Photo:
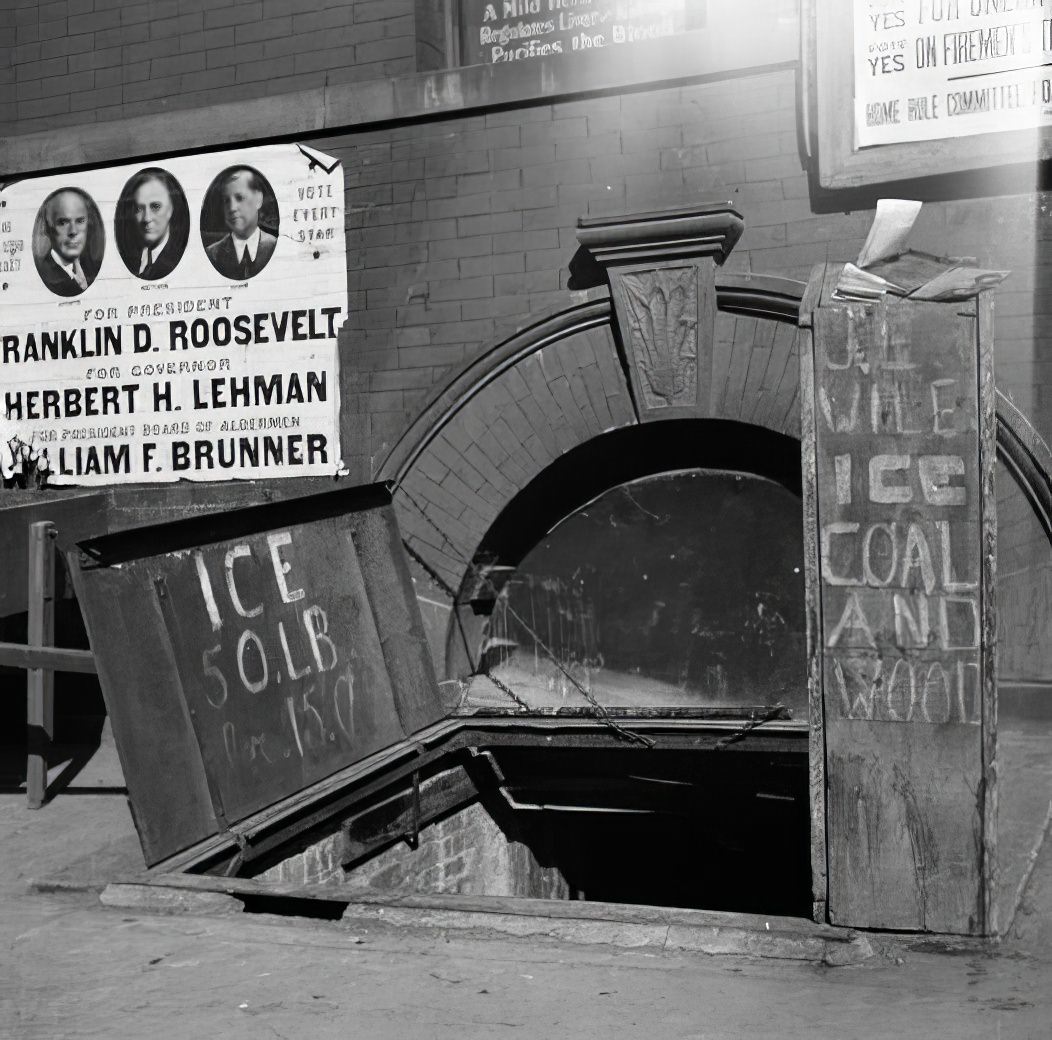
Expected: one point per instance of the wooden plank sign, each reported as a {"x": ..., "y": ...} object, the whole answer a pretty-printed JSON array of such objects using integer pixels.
[
  {"x": 903, "y": 450},
  {"x": 271, "y": 650}
]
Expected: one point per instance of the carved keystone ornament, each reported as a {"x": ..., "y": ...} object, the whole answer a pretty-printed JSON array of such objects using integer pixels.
[{"x": 661, "y": 268}]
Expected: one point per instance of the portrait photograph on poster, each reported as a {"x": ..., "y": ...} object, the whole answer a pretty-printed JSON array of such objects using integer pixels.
[
  {"x": 68, "y": 241},
  {"x": 152, "y": 224},
  {"x": 239, "y": 223}
]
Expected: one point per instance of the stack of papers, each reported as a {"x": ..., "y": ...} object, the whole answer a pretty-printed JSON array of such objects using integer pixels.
[{"x": 886, "y": 265}]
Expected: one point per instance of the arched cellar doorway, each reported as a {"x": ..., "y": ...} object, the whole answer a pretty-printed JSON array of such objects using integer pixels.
[
  {"x": 533, "y": 414},
  {"x": 675, "y": 529},
  {"x": 653, "y": 572}
]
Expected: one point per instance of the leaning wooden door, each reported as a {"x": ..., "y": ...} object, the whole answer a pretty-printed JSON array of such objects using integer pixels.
[{"x": 899, "y": 453}]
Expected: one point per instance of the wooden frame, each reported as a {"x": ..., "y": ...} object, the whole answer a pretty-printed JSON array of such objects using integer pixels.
[{"x": 828, "y": 54}]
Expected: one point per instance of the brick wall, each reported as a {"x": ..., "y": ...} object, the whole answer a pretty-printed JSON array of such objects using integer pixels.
[
  {"x": 68, "y": 62},
  {"x": 465, "y": 853},
  {"x": 461, "y": 230}
]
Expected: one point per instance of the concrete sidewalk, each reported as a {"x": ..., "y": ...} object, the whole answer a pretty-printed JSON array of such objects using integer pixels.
[{"x": 73, "y": 968}]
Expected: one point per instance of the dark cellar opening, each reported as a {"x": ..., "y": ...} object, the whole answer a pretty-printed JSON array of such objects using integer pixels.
[
  {"x": 712, "y": 830},
  {"x": 722, "y": 829}
]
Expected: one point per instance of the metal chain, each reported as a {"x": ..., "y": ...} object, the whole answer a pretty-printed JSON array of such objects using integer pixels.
[
  {"x": 600, "y": 712},
  {"x": 505, "y": 688},
  {"x": 740, "y": 734}
]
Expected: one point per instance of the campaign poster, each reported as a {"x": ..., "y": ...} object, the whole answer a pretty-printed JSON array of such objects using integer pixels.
[
  {"x": 932, "y": 69},
  {"x": 175, "y": 319}
]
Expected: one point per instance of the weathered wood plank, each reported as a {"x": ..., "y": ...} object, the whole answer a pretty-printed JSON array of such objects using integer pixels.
[
  {"x": 988, "y": 587},
  {"x": 58, "y": 659},
  {"x": 741, "y": 350},
  {"x": 901, "y": 501},
  {"x": 752, "y": 390},
  {"x": 144, "y": 702},
  {"x": 40, "y": 680},
  {"x": 385, "y": 572},
  {"x": 780, "y": 381},
  {"x": 813, "y": 609}
]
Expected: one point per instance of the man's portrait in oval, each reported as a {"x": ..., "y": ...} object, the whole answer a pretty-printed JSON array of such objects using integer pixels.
[
  {"x": 239, "y": 223},
  {"x": 68, "y": 241},
  {"x": 152, "y": 224}
]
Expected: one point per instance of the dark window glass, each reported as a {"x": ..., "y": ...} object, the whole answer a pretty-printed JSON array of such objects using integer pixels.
[{"x": 683, "y": 590}]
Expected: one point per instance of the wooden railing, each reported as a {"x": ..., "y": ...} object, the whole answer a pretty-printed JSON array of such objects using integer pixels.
[{"x": 41, "y": 659}]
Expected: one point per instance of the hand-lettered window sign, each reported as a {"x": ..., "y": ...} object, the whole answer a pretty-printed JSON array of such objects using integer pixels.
[
  {"x": 277, "y": 654},
  {"x": 932, "y": 69},
  {"x": 519, "y": 30},
  {"x": 174, "y": 320}
]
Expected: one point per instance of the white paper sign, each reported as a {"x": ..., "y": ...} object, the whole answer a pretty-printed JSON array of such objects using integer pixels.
[
  {"x": 174, "y": 320},
  {"x": 929, "y": 69}
]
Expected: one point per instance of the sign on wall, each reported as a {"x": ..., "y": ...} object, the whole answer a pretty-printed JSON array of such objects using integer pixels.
[
  {"x": 518, "y": 30},
  {"x": 173, "y": 320},
  {"x": 932, "y": 69}
]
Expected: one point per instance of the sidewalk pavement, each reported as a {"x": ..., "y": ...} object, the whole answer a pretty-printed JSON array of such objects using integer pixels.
[{"x": 71, "y": 968}]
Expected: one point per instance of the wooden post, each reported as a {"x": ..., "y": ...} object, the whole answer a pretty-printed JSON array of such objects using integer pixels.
[{"x": 40, "y": 682}]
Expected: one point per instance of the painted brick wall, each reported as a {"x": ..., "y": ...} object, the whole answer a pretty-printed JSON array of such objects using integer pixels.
[
  {"x": 460, "y": 231},
  {"x": 67, "y": 62}
]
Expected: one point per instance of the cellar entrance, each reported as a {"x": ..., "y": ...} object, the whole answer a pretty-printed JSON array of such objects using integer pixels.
[
  {"x": 636, "y": 680},
  {"x": 711, "y": 829}
]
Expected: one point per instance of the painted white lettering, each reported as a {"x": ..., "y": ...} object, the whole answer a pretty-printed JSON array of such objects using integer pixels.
[
  {"x": 206, "y": 591},
  {"x": 903, "y": 681},
  {"x": 840, "y": 423},
  {"x": 842, "y": 468},
  {"x": 959, "y": 622},
  {"x": 252, "y": 685},
  {"x": 869, "y": 574},
  {"x": 228, "y": 564},
  {"x": 935, "y": 472},
  {"x": 949, "y": 583},
  {"x": 911, "y": 627},
  {"x": 282, "y": 567},
  {"x": 917, "y": 554},
  {"x": 940, "y": 389},
  {"x": 294, "y": 673},
  {"x": 879, "y": 491},
  {"x": 939, "y": 682},
  {"x": 853, "y": 619},
  {"x": 316, "y": 622},
  {"x": 829, "y": 532}
]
